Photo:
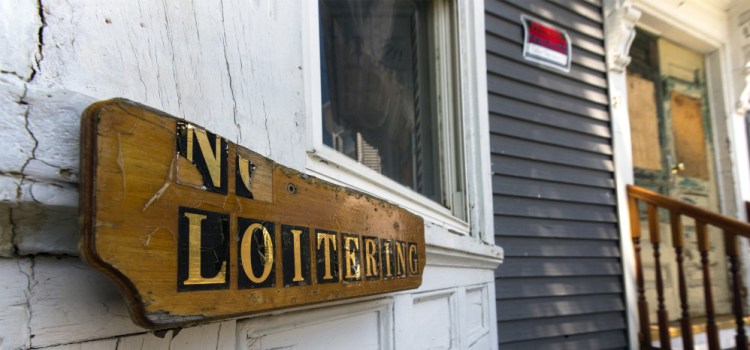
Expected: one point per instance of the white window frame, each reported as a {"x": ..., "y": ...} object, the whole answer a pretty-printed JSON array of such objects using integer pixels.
[{"x": 327, "y": 163}]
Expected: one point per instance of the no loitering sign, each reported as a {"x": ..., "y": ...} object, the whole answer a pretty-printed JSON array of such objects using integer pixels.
[
  {"x": 193, "y": 227},
  {"x": 546, "y": 44}
]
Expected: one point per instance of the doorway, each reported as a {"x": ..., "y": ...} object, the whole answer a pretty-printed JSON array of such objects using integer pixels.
[{"x": 673, "y": 154}]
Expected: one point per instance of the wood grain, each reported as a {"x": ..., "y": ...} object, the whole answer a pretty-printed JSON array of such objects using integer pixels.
[
  {"x": 723, "y": 222},
  {"x": 689, "y": 135},
  {"x": 644, "y": 124},
  {"x": 134, "y": 180}
]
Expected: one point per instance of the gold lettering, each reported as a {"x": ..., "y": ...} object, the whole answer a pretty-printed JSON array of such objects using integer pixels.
[
  {"x": 400, "y": 259},
  {"x": 371, "y": 265},
  {"x": 194, "y": 256},
  {"x": 297, "y": 256},
  {"x": 213, "y": 160},
  {"x": 330, "y": 237},
  {"x": 246, "y": 172},
  {"x": 245, "y": 251},
  {"x": 190, "y": 143},
  {"x": 387, "y": 245},
  {"x": 413, "y": 260},
  {"x": 352, "y": 257}
]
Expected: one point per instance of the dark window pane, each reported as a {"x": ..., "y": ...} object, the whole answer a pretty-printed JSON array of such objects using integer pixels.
[{"x": 376, "y": 89}]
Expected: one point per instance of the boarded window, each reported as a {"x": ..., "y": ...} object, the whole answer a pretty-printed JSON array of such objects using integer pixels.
[
  {"x": 644, "y": 124},
  {"x": 689, "y": 135}
]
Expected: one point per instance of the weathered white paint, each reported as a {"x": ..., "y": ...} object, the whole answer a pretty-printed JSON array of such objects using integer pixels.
[
  {"x": 17, "y": 142},
  {"x": 475, "y": 109},
  {"x": 19, "y": 31},
  {"x": 620, "y": 19},
  {"x": 439, "y": 328},
  {"x": 40, "y": 194},
  {"x": 724, "y": 147},
  {"x": 237, "y": 68},
  {"x": 14, "y": 293},
  {"x": 476, "y": 314},
  {"x": 96, "y": 51},
  {"x": 92, "y": 345},
  {"x": 40, "y": 132},
  {"x": 698, "y": 25},
  {"x": 222, "y": 67},
  {"x": 145, "y": 341},
  {"x": 71, "y": 302},
  {"x": 743, "y": 103},
  {"x": 219, "y": 335},
  {"x": 17, "y": 145},
  {"x": 430, "y": 318}
]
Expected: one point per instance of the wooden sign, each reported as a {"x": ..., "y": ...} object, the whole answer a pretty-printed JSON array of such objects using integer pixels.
[{"x": 193, "y": 227}]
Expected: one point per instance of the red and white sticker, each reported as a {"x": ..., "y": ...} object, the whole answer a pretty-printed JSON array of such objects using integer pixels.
[{"x": 546, "y": 44}]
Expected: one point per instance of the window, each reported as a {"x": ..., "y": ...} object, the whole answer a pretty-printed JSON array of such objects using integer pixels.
[
  {"x": 388, "y": 92},
  {"x": 429, "y": 150}
]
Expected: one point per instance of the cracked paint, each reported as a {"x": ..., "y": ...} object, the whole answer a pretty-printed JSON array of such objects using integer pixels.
[
  {"x": 24, "y": 40},
  {"x": 41, "y": 176},
  {"x": 15, "y": 292},
  {"x": 30, "y": 287},
  {"x": 62, "y": 48},
  {"x": 39, "y": 56},
  {"x": 238, "y": 139},
  {"x": 19, "y": 193}
]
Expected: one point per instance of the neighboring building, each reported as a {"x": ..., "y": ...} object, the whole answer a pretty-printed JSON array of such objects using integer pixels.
[{"x": 518, "y": 169}]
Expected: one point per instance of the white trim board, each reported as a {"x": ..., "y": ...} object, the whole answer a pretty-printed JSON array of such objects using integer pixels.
[
  {"x": 699, "y": 26},
  {"x": 619, "y": 20}
]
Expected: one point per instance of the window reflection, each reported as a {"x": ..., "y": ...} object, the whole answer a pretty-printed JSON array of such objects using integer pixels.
[{"x": 377, "y": 89}]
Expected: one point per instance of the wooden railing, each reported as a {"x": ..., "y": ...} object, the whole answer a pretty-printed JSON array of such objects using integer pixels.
[{"x": 730, "y": 227}]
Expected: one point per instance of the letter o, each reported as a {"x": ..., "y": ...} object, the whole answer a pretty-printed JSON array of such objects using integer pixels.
[{"x": 247, "y": 262}]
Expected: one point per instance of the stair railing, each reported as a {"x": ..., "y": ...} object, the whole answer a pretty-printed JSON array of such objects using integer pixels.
[{"x": 730, "y": 227}]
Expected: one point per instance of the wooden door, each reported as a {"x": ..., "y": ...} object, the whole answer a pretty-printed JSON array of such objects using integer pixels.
[{"x": 673, "y": 155}]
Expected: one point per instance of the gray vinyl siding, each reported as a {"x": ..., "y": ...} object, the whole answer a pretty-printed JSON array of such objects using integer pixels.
[{"x": 560, "y": 286}]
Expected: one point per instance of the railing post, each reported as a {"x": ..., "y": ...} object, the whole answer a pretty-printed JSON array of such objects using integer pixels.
[
  {"x": 635, "y": 233},
  {"x": 732, "y": 228},
  {"x": 730, "y": 247},
  {"x": 712, "y": 332},
  {"x": 661, "y": 311},
  {"x": 678, "y": 241}
]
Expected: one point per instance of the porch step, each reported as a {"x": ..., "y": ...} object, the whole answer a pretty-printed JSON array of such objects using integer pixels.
[{"x": 727, "y": 330}]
